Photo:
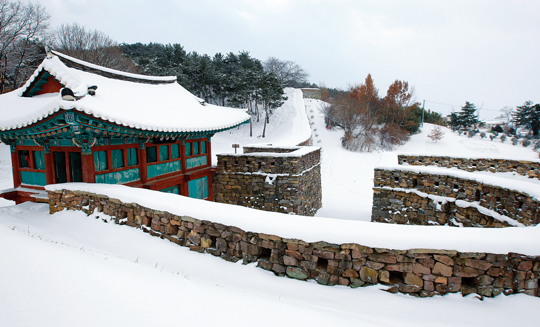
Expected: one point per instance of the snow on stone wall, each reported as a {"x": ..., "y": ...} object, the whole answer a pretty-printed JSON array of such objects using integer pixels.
[
  {"x": 419, "y": 272},
  {"x": 280, "y": 179}
]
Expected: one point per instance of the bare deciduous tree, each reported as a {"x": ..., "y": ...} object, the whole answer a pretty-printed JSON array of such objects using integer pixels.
[
  {"x": 436, "y": 134},
  {"x": 288, "y": 73},
  {"x": 22, "y": 27},
  {"x": 92, "y": 46}
]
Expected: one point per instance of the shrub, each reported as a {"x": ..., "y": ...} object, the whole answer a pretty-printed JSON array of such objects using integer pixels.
[
  {"x": 482, "y": 135},
  {"x": 514, "y": 140},
  {"x": 503, "y": 138},
  {"x": 436, "y": 134},
  {"x": 526, "y": 143}
]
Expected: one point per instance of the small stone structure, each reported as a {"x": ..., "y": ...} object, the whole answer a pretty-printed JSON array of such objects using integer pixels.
[
  {"x": 281, "y": 179},
  {"x": 522, "y": 167},
  {"x": 396, "y": 200},
  {"x": 419, "y": 272},
  {"x": 312, "y": 93}
]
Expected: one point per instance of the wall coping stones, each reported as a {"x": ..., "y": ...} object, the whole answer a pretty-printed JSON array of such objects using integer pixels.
[
  {"x": 530, "y": 168},
  {"x": 531, "y": 189}
]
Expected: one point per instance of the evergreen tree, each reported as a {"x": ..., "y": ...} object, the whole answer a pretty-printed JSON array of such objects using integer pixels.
[
  {"x": 455, "y": 121},
  {"x": 467, "y": 115},
  {"x": 528, "y": 115}
]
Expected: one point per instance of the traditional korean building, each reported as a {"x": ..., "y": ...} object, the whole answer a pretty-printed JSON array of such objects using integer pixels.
[{"x": 77, "y": 122}]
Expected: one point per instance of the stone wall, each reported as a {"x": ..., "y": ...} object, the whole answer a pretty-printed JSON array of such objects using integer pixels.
[
  {"x": 419, "y": 272},
  {"x": 522, "y": 167},
  {"x": 312, "y": 93},
  {"x": 516, "y": 205},
  {"x": 402, "y": 206},
  {"x": 286, "y": 179}
]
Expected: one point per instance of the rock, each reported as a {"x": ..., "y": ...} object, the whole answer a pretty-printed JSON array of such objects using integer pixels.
[
  {"x": 484, "y": 280},
  {"x": 343, "y": 281},
  {"x": 278, "y": 268},
  {"x": 323, "y": 278},
  {"x": 460, "y": 271},
  {"x": 403, "y": 267},
  {"x": 442, "y": 269},
  {"x": 206, "y": 242},
  {"x": 374, "y": 265},
  {"x": 525, "y": 265},
  {"x": 384, "y": 276},
  {"x": 355, "y": 282},
  {"x": 369, "y": 275},
  {"x": 403, "y": 288},
  {"x": 356, "y": 247},
  {"x": 383, "y": 257},
  {"x": 289, "y": 261},
  {"x": 444, "y": 259},
  {"x": 297, "y": 273},
  {"x": 194, "y": 238},
  {"x": 413, "y": 279},
  {"x": 432, "y": 251},
  {"x": 264, "y": 264},
  {"x": 441, "y": 280},
  {"x": 420, "y": 269},
  {"x": 350, "y": 273},
  {"x": 478, "y": 264}
]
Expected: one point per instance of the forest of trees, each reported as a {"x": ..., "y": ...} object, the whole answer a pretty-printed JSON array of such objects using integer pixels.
[{"x": 235, "y": 80}]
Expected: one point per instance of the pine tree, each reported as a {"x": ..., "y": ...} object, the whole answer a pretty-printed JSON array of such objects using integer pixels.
[
  {"x": 467, "y": 115},
  {"x": 455, "y": 121},
  {"x": 528, "y": 115}
]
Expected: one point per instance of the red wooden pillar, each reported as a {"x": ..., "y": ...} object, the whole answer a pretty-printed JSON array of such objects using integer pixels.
[
  {"x": 183, "y": 156},
  {"x": 49, "y": 168},
  {"x": 143, "y": 173},
  {"x": 16, "y": 171},
  {"x": 88, "y": 169},
  {"x": 184, "y": 188},
  {"x": 209, "y": 151},
  {"x": 212, "y": 171}
]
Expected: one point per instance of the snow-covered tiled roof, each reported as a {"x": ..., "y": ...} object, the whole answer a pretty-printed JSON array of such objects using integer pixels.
[{"x": 164, "y": 107}]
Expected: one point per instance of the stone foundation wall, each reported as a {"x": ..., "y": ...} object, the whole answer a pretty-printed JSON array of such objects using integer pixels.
[
  {"x": 312, "y": 93},
  {"x": 513, "y": 204},
  {"x": 401, "y": 206},
  {"x": 419, "y": 272},
  {"x": 522, "y": 167},
  {"x": 272, "y": 179}
]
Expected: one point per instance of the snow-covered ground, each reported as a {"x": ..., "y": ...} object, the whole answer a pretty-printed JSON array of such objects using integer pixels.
[{"x": 67, "y": 269}]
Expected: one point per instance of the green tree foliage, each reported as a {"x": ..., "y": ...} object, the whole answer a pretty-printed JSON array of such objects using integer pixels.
[
  {"x": 528, "y": 116},
  {"x": 455, "y": 121},
  {"x": 236, "y": 80},
  {"x": 468, "y": 116},
  {"x": 498, "y": 129}
]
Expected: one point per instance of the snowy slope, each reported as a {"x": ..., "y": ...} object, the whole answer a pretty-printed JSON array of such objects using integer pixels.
[{"x": 288, "y": 126}]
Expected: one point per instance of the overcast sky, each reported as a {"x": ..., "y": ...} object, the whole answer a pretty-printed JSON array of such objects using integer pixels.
[{"x": 485, "y": 52}]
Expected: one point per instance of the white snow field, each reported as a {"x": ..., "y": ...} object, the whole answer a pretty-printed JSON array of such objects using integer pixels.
[{"x": 68, "y": 269}]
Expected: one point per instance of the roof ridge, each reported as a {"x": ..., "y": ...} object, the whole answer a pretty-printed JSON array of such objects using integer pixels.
[{"x": 112, "y": 73}]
